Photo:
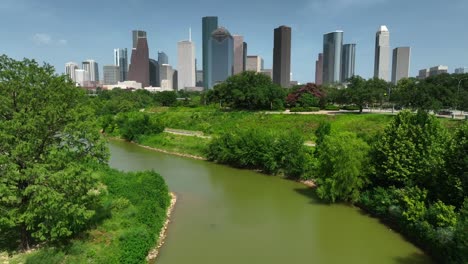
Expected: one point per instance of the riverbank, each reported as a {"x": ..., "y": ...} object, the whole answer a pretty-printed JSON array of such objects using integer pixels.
[
  {"x": 153, "y": 254},
  {"x": 131, "y": 219}
]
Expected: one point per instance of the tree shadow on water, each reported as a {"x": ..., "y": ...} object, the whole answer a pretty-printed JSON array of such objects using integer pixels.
[
  {"x": 312, "y": 195},
  {"x": 414, "y": 258}
]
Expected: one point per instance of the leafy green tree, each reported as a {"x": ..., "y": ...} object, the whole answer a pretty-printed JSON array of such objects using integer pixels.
[
  {"x": 134, "y": 124},
  {"x": 47, "y": 140},
  {"x": 166, "y": 98},
  {"x": 248, "y": 90},
  {"x": 343, "y": 164},
  {"x": 452, "y": 183},
  {"x": 361, "y": 92},
  {"x": 410, "y": 152}
]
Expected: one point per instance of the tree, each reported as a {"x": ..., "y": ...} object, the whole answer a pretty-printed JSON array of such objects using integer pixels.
[
  {"x": 410, "y": 151},
  {"x": 306, "y": 96},
  {"x": 47, "y": 143},
  {"x": 343, "y": 164},
  {"x": 452, "y": 183},
  {"x": 361, "y": 92},
  {"x": 134, "y": 124},
  {"x": 248, "y": 90}
]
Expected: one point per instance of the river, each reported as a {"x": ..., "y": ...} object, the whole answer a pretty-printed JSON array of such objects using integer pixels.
[{"x": 226, "y": 215}]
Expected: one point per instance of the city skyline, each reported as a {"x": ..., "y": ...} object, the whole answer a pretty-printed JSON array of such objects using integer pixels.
[{"x": 47, "y": 40}]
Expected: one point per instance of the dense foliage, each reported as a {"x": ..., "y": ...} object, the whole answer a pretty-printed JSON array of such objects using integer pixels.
[
  {"x": 309, "y": 95},
  {"x": 131, "y": 214},
  {"x": 414, "y": 177},
  {"x": 261, "y": 149},
  {"x": 132, "y": 125},
  {"x": 343, "y": 163},
  {"x": 47, "y": 138},
  {"x": 249, "y": 91}
]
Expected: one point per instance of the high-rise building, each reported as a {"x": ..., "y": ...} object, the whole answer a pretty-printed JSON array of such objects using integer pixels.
[
  {"x": 186, "y": 64},
  {"x": 348, "y": 60},
  {"x": 199, "y": 78},
  {"x": 423, "y": 74},
  {"x": 163, "y": 58},
  {"x": 209, "y": 24},
  {"x": 81, "y": 77},
  {"x": 244, "y": 59},
  {"x": 238, "y": 53},
  {"x": 254, "y": 63},
  {"x": 167, "y": 76},
  {"x": 70, "y": 68},
  {"x": 332, "y": 52},
  {"x": 382, "y": 54},
  {"x": 400, "y": 63},
  {"x": 319, "y": 69},
  {"x": 91, "y": 67},
  {"x": 153, "y": 73},
  {"x": 175, "y": 80},
  {"x": 121, "y": 60},
  {"x": 139, "y": 66},
  {"x": 136, "y": 34},
  {"x": 111, "y": 74},
  {"x": 461, "y": 70},
  {"x": 222, "y": 56},
  {"x": 436, "y": 70},
  {"x": 282, "y": 56}
]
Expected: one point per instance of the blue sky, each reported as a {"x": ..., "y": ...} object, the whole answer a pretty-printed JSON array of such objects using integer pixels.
[{"x": 60, "y": 31}]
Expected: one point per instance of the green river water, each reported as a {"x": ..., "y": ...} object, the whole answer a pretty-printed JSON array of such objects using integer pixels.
[{"x": 227, "y": 215}]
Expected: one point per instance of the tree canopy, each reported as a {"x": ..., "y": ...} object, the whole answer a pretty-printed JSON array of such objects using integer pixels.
[
  {"x": 47, "y": 141},
  {"x": 248, "y": 90}
]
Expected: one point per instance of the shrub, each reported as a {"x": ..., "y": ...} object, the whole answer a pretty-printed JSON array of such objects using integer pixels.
[
  {"x": 304, "y": 109},
  {"x": 332, "y": 108},
  {"x": 134, "y": 124}
]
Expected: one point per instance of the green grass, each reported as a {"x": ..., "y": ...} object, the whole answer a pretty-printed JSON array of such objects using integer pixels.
[
  {"x": 214, "y": 122},
  {"x": 176, "y": 143},
  {"x": 126, "y": 227}
]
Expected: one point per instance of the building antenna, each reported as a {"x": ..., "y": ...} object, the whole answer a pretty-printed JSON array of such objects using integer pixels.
[{"x": 190, "y": 34}]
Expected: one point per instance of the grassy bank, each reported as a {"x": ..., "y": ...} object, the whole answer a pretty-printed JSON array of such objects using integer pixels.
[
  {"x": 125, "y": 227},
  {"x": 191, "y": 145}
]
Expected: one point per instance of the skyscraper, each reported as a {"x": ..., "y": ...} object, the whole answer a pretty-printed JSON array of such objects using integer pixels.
[
  {"x": 254, "y": 63},
  {"x": 401, "y": 63},
  {"x": 222, "y": 56},
  {"x": 111, "y": 74},
  {"x": 153, "y": 73},
  {"x": 163, "y": 58},
  {"x": 91, "y": 67},
  {"x": 319, "y": 69},
  {"x": 244, "y": 62},
  {"x": 461, "y": 70},
  {"x": 121, "y": 60},
  {"x": 199, "y": 78},
  {"x": 167, "y": 76},
  {"x": 238, "y": 54},
  {"x": 81, "y": 77},
  {"x": 70, "y": 68},
  {"x": 436, "y": 70},
  {"x": 209, "y": 24},
  {"x": 136, "y": 34},
  {"x": 282, "y": 56},
  {"x": 332, "y": 52},
  {"x": 139, "y": 67},
  {"x": 175, "y": 79},
  {"x": 348, "y": 61},
  {"x": 186, "y": 64},
  {"x": 382, "y": 54}
]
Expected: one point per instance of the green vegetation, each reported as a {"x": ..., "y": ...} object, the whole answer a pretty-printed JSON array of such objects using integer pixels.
[
  {"x": 125, "y": 227},
  {"x": 403, "y": 179},
  {"x": 343, "y": 162},
  {"x": 273, "y": 153},
  {"x": 191, "y": 145},
  {"x": 249, "y": 91},
  {"x": 57, "y": 193}
]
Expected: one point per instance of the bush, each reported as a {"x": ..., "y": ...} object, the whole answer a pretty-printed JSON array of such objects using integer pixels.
[
  {"x": 350, "y": 107},
  {"x": 273, "y": 153},
  {"x": 332, "y": 108},
  {"x": 304, "y": 109},
  {"x": 342, "y": 167},
  {"x": 134, "y": 124}
]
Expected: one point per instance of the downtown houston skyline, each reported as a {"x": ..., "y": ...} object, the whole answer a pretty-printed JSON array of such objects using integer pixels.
[{"x": 54, "y": 38}]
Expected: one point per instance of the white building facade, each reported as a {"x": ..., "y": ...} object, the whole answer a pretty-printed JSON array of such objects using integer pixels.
[
  {"x": 382, "y": 54},
  {"x": 186, "y": 76}
]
